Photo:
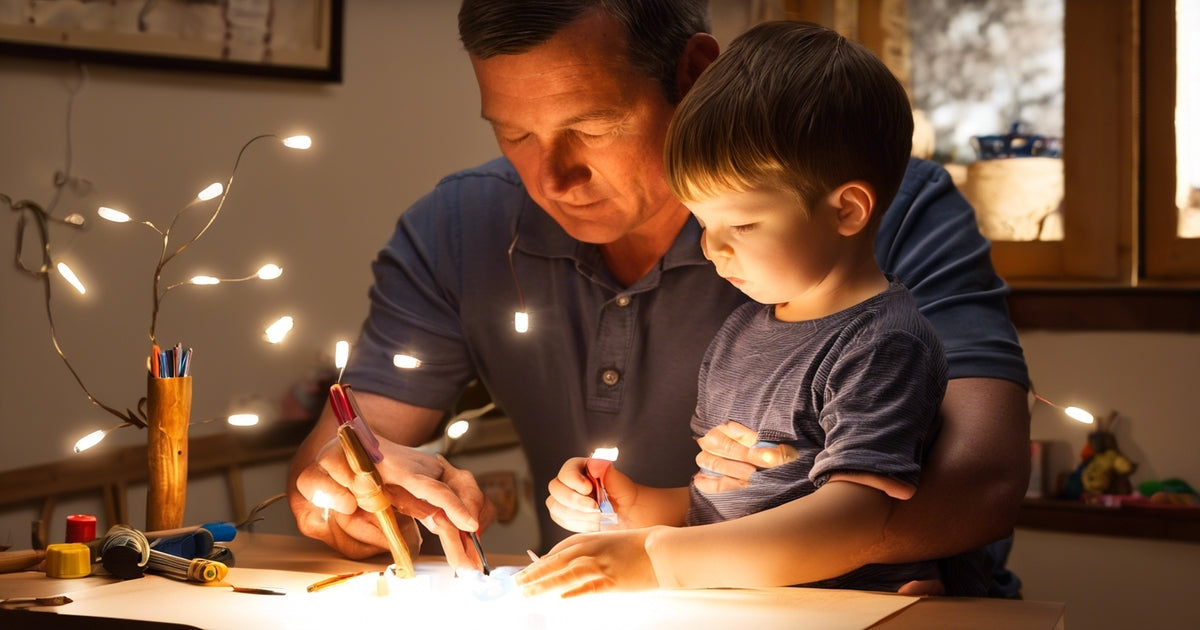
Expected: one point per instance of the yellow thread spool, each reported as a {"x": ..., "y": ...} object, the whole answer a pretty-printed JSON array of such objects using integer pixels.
[{"x": 68, "y": 560}]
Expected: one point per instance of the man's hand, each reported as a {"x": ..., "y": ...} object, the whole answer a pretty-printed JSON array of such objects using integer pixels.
[
  {"x": 591, "y": 563},
  {"x": 729, "y": 451},
  {"x": 444, "y": 498}
]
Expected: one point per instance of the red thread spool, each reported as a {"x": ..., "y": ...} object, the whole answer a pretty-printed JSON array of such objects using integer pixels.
[{"x": 81, "y": 528}]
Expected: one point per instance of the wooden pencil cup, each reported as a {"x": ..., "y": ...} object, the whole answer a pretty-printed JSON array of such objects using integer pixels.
[{"x": 168, "y": 412}]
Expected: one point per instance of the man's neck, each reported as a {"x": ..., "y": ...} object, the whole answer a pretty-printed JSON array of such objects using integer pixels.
[{"x": 634, "y": 255}]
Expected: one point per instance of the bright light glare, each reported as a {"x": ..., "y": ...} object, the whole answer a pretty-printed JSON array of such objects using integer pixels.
[
  {"x": 341, "y": 353},
  {"x": 605, "y": 453},
  {"x": 112, "y": 214},
  {"x": 89, "y": 440},
  {"x": 1079, "y": 414},
  {"x": 70, "y": 276},
  {"x": 269, "y": 272},
  {"x": 322, "y": 500},
  {"x": 457, "y": 429},
  {"x": 277, "y": 331},
  {"x": 243, "y": 419},
  {"x": 521, "y": 320},
  {"x": 205, "y": 280},
  {"x": 297, "y": 142},
  {"x": 405, "y": 361},
  {"x": 212, "y": 191}
]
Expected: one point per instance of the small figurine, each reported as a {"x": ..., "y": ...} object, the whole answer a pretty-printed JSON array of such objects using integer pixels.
[{"x": 1103, "y": 469}]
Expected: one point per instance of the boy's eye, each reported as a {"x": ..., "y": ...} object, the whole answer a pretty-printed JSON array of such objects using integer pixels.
[{"x": 741, "y": 229}]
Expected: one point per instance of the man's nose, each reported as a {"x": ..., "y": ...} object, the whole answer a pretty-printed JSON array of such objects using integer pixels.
[{"x": 562, "y": 168}]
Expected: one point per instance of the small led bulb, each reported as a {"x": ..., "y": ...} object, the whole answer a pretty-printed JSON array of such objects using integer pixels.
[
  {"x": 269, "y": 272},
  {"x": 406, "y": 361},
  {"x": 213, "y": 190},
  {"x": 90, "y": 440},
  {"x": 277, "y": 331},
  {"x": 521, "y": 321}
]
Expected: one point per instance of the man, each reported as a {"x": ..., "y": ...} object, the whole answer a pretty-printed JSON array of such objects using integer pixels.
[{"x": 576, "y": 225}]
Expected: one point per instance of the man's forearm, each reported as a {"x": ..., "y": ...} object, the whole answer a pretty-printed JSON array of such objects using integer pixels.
[{"x": 972, "y": 484}]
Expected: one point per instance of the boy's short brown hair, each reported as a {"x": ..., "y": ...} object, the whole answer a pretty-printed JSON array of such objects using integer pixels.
[{"x": 796, "y": 106}]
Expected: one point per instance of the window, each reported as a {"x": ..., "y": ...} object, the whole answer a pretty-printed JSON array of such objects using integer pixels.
[{"x": 1122, "y": 249}]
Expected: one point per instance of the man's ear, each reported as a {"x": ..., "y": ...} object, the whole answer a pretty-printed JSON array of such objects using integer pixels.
[
  {"x": 699, "y": 52},
  {"x": 855, "y": 201}
]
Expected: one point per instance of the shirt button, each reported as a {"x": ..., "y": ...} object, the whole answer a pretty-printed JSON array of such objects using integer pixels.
[
  {"x": 610, "y": 377},
  {"x": 623, "y": 300}
]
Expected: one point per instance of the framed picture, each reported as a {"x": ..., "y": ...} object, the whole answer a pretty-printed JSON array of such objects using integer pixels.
[{"x": 299, "y": 39}]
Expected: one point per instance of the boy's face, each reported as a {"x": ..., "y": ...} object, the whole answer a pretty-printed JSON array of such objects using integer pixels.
[{"x": 766, "y": 245}]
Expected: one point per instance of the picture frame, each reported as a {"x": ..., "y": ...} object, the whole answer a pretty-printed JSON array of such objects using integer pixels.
[{"x": 295, "y": 39}]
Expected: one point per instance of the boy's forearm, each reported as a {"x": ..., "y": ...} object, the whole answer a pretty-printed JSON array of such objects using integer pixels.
[
  {"x": 815, "y": 537},
  {"x": 972, "y": 484},
  {"x": 657, "y": 506}
]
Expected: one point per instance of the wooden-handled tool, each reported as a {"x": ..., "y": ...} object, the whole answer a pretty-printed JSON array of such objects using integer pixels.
[{"x": 11, "y": 561}]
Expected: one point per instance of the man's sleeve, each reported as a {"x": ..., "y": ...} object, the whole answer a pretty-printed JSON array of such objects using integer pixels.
[{"x": 930, "y": 241}]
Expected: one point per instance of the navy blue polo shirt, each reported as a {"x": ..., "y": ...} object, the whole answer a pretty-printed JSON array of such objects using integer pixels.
[{"x": 607, "y": 365}]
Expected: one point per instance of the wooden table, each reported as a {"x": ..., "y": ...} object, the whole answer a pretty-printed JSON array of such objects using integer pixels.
[{"x": 436, "y": 599}]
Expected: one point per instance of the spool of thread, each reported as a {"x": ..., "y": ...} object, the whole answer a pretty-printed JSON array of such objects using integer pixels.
[
  {"x": 125, "y": 552},
  {"x": 68, "y": 560},
  {"x": 81, "y": 528}
]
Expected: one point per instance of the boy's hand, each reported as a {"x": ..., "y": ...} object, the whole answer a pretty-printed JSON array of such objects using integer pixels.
[
  {"x": 571, "y": 503},
  {"x": 728, "y": 456},
  {"x": 591, "y": 563}
]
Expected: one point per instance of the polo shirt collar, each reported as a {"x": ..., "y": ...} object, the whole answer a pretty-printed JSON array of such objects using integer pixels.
[{"x": 540, "y": 235}]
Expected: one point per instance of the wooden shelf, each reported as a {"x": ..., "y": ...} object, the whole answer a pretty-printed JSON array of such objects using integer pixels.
[{"x": 1130, "y": 521}]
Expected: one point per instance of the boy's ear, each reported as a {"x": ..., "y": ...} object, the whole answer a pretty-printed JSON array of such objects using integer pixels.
[
  {"x": 700, "y": 51},
  {"x": 855, "y": 201}
]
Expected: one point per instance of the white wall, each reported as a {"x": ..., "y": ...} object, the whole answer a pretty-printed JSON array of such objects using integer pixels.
[{"x": 405, "y": 114}]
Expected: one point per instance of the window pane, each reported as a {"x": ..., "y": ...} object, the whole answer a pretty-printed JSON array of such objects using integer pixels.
[
  {"x": 987, "y": 80},
  {"x": 1187, "y": 117}
]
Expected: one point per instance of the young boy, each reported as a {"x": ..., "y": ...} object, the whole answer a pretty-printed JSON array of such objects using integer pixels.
[{"x": 787, "y": 150}]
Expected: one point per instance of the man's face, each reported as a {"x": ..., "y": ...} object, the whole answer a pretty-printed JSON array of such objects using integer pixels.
[{"x": 584, "y": 130}]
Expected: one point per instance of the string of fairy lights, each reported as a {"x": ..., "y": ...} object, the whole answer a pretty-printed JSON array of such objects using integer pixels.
[{"x": 43, "y": 219}]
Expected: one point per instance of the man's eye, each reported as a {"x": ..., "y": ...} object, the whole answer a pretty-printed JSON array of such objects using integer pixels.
[{"x": 594, "y": 137}]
